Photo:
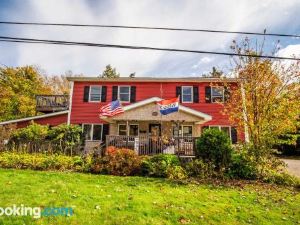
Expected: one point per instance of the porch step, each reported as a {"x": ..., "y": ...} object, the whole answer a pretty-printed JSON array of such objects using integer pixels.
[{"x": 186, "y": 158}]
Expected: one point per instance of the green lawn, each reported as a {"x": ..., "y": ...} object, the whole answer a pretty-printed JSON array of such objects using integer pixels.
[{"x": 98, "y": 199}]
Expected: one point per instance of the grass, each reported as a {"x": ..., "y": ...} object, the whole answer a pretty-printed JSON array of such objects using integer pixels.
[{"x": 99, "y": 199}]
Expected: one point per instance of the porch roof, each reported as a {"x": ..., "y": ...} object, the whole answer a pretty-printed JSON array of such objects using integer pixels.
[{"x": 147, "y": 110}]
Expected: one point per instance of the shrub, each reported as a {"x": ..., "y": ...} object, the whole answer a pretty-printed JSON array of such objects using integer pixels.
[
  {"x": 38, "y": 161},
  {"x": 282, "y": 178},
  {"x": 176, "y": 173},
  {"x": 198, "y": 168},
  {"x": 242, "y": 167},
  {"x": 122, "y": 162},
  {"x": 214, "y": 146},
  {"x": 65, "y": 137},
  {"x": 159, "y": 165}
]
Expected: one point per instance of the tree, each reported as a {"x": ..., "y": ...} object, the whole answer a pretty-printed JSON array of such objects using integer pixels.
[
  {"x": 215, "y": 73},
  {"x": 59, "y": 85},
  {"x": 266, "y": 100},
  {"x": 110, "y": 72},
  {"x": 19, "y": 86}
]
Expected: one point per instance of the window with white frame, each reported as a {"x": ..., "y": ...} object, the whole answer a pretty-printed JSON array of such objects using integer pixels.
[
  {"x": 217, "y": 94},
  {"x": 133, "y": 129},
  {"x": 225, "y": 129},
  {"x": 95, "y": 94},
  {"x": 124, "y": 93},
  {"x": 183, "y": 130},
  {"x": 92, "y": 132},
  {"x": 187, "y": 94}
]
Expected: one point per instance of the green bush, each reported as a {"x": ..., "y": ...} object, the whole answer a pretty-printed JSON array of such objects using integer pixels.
[
  {"x": 214, "y": 146},
  {"x": 121, "y": 162},
  {"x": 198, "y": 168},
  {"x": 159, "y": 165},
  {"x": 40, "y": 138},
  {"x": 38, "y": 161},
  {"x": 176, "y": 173},
  {"x": 282, "y": 178},
  {"x": 242, "y": 167},
  {"x": 65, "y": 137}
]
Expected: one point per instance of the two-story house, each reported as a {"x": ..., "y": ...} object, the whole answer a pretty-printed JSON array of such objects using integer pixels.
[{"x": 141, "y": 126}]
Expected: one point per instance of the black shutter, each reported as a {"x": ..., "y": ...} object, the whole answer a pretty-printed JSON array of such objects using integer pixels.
[
  {"x": 103, "y": 93},
  {"x": 226, "y": 94},
  {"x": 86, "y": 93},
  {"x": 132, "y": 93},
  {"x": 196, "y": 94},
  {"x": 208, "y": 94},
  {"x": 178, "y": 92},
  {"x": 114, "y": 93},
  {"x": 233, "y": 135},
  {"x": 105, "y": 131}
]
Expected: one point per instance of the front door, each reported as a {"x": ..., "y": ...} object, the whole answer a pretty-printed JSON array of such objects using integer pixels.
[
  {"x": 155, "y": 129},
  {"x": 154, "y": 141}
]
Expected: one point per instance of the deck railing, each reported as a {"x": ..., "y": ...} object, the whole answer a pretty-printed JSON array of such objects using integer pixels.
[
  {"x": 52, "y": 103},
  {"x": 151, "y": 145}
]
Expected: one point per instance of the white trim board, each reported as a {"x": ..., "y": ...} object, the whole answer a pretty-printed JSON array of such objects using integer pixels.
[{"x": 35, "y": 117}]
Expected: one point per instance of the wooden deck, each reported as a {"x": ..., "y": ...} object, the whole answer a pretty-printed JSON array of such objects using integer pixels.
[
  {"x": 52, "y": 103},
  {"x": 151, "y": 145}
]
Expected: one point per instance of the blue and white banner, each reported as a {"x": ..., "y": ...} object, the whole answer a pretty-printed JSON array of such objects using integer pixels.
[{"x": 168, "y": 106}]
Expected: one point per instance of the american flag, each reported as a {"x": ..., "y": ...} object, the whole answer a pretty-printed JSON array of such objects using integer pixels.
[{"x": 111, "y": 109}]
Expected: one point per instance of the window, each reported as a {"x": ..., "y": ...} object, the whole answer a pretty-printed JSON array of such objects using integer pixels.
[
  {"x": 217, "y": 94},
  {"x": 184, "y": 130},
  {"x": 124, "y": 93},
  {"x": 92, "y": 132},
  {"x": 122, "y": 129},
  {"x": 95, "y": 94},
  {"x": 226, "y": 129},
  {"x": 133, "y": 129},
  {"x": 187, "y": 131},
  {"x": 187, "y": 94}
]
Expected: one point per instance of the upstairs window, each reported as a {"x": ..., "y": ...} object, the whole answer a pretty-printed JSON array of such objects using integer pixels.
[
  {"x": 124, "y": 93},
  {"x": 187, "y": 94},
  {"x": 95, "y": 94},
  {"x": 217, "y": 94}
]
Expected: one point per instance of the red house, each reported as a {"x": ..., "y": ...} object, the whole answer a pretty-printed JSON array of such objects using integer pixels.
[{"x": 141, "y": 126}]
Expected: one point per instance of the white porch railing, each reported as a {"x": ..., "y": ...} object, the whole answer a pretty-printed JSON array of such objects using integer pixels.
[{"x": 150, "y": 145}]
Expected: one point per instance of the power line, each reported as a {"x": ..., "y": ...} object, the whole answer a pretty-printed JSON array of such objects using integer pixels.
[
  {"x": 55, "y": 42},
  {"x": 151, "y": 28}
]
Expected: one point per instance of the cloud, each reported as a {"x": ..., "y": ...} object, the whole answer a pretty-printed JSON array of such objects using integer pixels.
[
  {"x": 290, "y": 51},
  {"x": 207, "y": 14}
]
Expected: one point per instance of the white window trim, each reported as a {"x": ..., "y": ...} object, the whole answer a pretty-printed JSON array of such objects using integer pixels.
[
  {"x": 124, "y": 93},
  {"x": 127, "y": 128},
  {"x": 92, "y": 130},
  {"x": 211, "y": 93},
  {"x": 219, "y": 127},
  {"x": 90, "y": 91},
  {"x": 192, "y": 94}
]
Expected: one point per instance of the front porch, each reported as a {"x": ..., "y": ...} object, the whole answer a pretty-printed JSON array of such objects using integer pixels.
[{"x": 142, "y": 128}]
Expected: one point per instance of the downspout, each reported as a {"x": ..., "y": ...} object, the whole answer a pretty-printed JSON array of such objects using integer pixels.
[{"x": 70, "y": 102}]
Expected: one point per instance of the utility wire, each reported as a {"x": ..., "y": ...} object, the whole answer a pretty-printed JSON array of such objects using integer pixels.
[
  {"x": 55, "y": 42},
  {"x": 151, "y": 28}
]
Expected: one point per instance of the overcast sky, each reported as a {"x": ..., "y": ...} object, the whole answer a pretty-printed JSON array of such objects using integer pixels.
[{"x": 277, "y": 16}]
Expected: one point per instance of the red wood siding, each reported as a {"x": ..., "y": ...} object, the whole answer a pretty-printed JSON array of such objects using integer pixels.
[
  {"x": 52, "y": 121},
  {"x": 88, "y": 112}
]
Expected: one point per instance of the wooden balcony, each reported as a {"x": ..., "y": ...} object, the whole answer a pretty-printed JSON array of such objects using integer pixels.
[
  {"x": 151, "y": 145},
  {"x": 52, "y": 103}
]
